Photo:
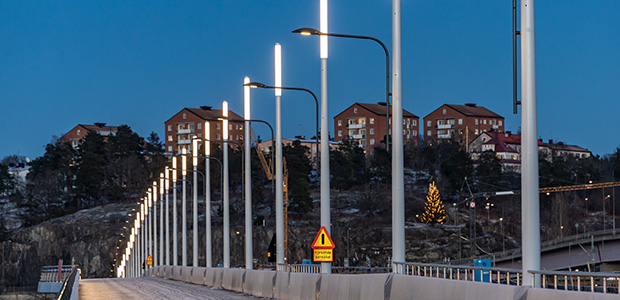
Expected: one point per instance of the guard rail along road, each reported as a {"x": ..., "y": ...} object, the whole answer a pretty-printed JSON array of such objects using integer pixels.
[{"x": 409, "y": 281}]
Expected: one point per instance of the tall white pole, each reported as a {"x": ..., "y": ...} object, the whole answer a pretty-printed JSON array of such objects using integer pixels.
[
  {"x": 530, "y": 214},
  {"x": 279, "y": 167},
  {"x": 167, "y": 187},
  {"x": 175, "y": 238},
  {"x": 208, "y": 244},
  {"x": 161, "y": 219},
  {"x": 155, "y": 255},
  {"x": 143, "y": 235},
  {"x": 398, "y": 184},
  {"x": 226, "y": 222},
  {"x": 150, "y": 225},
  {"x": 195, "y": 206},
  {"x": 249, "y": 256},
  {"x": 326, "y": 267},
  {"x": 184, "y": 209}
]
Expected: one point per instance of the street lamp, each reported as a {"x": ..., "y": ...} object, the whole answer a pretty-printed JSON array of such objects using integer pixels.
[
  {"x": 316, "y": 102},
  {"x": 175, "y": 246},
  {"x": 184, "y": 209},
  {"x": 501, "y": 223},
  {"x": 312, "y": 31}
]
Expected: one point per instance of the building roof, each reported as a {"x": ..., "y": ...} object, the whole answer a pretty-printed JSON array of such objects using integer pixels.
[
  {"x": 471, "y": 110},
  {"x": 378, "y": 109},
  {"x": 102, "y": 129},
  {"x": 499, "y": 145},
  {"x": 208, "y": 114}
]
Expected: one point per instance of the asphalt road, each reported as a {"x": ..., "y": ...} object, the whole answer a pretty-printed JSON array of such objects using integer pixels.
[{"x": 151, "y": 288}]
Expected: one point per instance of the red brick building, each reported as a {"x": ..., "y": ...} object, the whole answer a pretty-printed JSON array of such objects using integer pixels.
[
  {"x": 189, "y": 122},
  {"x": 75, "y": 135},
  {"x": 460, "y": 122},
  {"x": 365, "y": 124}
]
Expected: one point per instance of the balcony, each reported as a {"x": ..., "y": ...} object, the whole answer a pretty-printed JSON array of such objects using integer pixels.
[
  {"x": 445, "y": 126},
  {"x": 356, "y": 126},
  {"x": 357, "y": 136},
  {"x": 444, "y": 136},
  {"x": 185, "y": 131},
  {"x": 184, "y": 142}
]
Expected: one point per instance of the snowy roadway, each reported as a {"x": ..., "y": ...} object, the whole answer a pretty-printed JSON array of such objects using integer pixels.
[{"x": 151, "y": 288}]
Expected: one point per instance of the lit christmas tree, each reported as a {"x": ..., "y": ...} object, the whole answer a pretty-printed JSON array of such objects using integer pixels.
[{"x": 434, "y": 211}]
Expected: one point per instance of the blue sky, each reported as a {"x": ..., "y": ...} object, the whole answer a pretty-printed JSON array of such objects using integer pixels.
[{"x": 63, "y": 63}]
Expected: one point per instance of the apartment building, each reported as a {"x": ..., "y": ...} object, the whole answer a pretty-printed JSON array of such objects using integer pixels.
[
  {"x": 75, "y": 135},
  {"x": 190, "y": 122},
  {"x": 365, "y": 124},
  {"x": 460, "y": 122}
]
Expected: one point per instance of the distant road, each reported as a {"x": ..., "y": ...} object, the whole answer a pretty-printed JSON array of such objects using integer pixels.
[{"x": 151, "y": 288}]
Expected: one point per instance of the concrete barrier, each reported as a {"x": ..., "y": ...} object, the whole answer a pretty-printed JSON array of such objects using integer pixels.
[
  {"x": 233, "y": 279},
  {"x": 168, "y": 271},
  {"x": 176, "y": 272},
  {"x": 364, "y": 286},
  {"x": 214, "y": 277},
  {"x": 548, "y": 294},
  {"x": 414, "y": 287},
  {"x": 186, "y": 274},
  {"x": 280, "y": 290},
  {"x": 259, "y": 283},
  {"x": 198, "y": 275},
  {"x": 303, "y": 286}
]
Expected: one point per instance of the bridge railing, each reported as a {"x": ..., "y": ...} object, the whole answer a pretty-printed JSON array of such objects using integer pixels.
[
  {"x": 299, "y": 268},
  {"x": 457, "y": 272},
  {"x": 579, "y": 281}
]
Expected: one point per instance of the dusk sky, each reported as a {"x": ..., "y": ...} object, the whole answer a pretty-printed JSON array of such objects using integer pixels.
[{"x": 64, "y": 63}]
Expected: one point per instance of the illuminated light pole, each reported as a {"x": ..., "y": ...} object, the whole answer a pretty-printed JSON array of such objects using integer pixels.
[
  {"x": 167, "y": 187},
  {"x": 155, "y": 255},
  {"x": 279, "y": 167},
  {"x": 184, "y": 209},
  {"x": 195, "y": 205},
  {"x": 161, "y": 219},
  {"x": 150, "y": 224},
  {"x": 143, "y": 234},
  {"x": 249, "y": 256},
  {"x": 175, "y": 239},
  {"x": 208, "y": 243},
  {"x": 225, "y": 192},
  {"x": 316, "y": 101}
]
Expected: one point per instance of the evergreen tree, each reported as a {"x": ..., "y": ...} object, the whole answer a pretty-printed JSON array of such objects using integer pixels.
[
  {"x": 434, "y": 211},
  {"x": 7, "y": 182},
  {"x": 299, "y": 166}
]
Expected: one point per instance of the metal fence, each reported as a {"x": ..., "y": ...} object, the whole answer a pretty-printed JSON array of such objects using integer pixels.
[
  {"x": 300, "y": 268},
  {"x": 50, "y": 273},
  {"x": 579, "y": 281},
  {"x": 67, "y": 288},
  {"x": 466, "y": 273}
]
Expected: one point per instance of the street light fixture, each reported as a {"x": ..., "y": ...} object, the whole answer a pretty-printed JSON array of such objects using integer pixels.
[{"x": 312, "y": 31}]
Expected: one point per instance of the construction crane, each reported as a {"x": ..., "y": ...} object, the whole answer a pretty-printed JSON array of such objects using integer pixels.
[
  {"x": 268, "y": 171},
  {"x": 579, "y": 187}
]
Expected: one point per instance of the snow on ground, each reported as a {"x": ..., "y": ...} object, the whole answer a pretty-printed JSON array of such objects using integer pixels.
[{"x": 151, "y": 288}]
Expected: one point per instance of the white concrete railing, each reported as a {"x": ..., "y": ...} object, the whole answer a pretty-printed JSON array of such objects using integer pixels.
[{"x": 466, "y": 273}]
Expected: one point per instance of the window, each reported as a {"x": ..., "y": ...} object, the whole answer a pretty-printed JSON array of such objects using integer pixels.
[
  {"x": 184, "y": 116},
  {"x": 372, "y": 131},
  {"x": 372, "y": 120},
  {"x": 441, "y": 122},
  {"x": 170, "y": 138},
  {"x": 355, "y": 110},
  {"x": 404, "y": 132},
  {"x": 240, "y": 138},
  {"x": 79, "y": 132},
  {"x": 414, "y": 122},
  {"x": 339, "y": 132},
  {"x": 218, "y": 136},
  {"x": 414, "y": 132},
  {"x": 404, "y": 123},
  {"x": 241, "y": 127},
  {"x": 169, "y": 148},
  {"x": 229, "y": 126},
  {"x": 484, "y": 122},
  {"x": 450, "y": 121},
  {"x": 217, "y": 126},
  {"x": 339, "y": 122},
  {"x": 429, "y": 133},
  {"x": 390, "y": 121},
  {"x": 230, "y": 137},
  {"x": 476, "y": 131},
  {"x": 444, "y": 111},
  {"x": 170, "y": 128},
  {"x": 361, "y": 121},
  {"x": 351, "y": 121},
  {"x": 428, "y": 124},
  {"x": 199, "y": 125},
  {"x": 372, "y": 141},
  {"x": 476, "y": 121},
  {"x": 200, "y": 135},
  {"x": 363, "y": 131},
  {"x": 460, "y": 121},
  {"x": 500, "y": 123},
  {"x": 408, "y": 122}
]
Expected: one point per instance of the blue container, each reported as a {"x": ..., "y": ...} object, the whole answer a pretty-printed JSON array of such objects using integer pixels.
[{"x": 482, "y": 275}]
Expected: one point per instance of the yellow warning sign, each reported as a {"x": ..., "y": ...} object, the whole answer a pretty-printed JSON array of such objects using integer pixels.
[
  {"x": 323, "y": 240},
  {"x": 149, "y": 260},
  {"x": 323, "y": 255}
]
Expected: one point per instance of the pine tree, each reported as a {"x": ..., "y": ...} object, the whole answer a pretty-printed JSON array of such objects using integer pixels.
[{"x": 434, "y": 211}]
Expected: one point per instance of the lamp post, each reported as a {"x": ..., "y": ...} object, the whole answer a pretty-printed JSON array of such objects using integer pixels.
[
  {"x": 249, "y": 256},
  {"x": 501, "y": 223},
  {"x": 279, "y": 167},
  {"x": 175, "y": 239},
  {"x": 167, "y": 189},
  {"x": 312, "y": 31},
  {"x": 225, "y": 194},
  {"x": 161, "y": 219},
  {"x": 195, "y": 205},
  {"x": 208, "y": 245},
  {"x": 155, "y": 247},
  {"x": 316, "y": 101},
  {"x": 184, "y": 209}
]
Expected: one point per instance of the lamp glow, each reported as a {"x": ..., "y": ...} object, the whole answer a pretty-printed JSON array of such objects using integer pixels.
[
  {"x": 278, "y": 69},
  {"x": 174, "y": 169},
  {"x": 225, "y": 121},
  {"x": 161, "y": 183},
  {"x": 183, "y": 162},
  {"x": 207, "y": 138},
  {"x": 167, "y": 177},
  {"x": 246, "y": 98},
  {"x": 155, "y": 191},
  {"x": 195, "y": 152},
  {"x": 323, "y": 28}
]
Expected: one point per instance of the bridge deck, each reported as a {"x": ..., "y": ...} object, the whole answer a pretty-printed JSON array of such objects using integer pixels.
[{"x": 151, "y": 288}]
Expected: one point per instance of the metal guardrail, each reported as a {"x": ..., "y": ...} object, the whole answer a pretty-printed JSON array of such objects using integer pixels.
[
  {"x": 299, "y": 268},
  {"x": 67, "y": 288},
  {"x": 50, "y": 273},
  {"x": 579, "y": 281},
  {"x": 458, "y": 272}
]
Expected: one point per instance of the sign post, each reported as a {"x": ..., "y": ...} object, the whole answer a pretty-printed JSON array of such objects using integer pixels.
[{"x": 323, "y": 247}]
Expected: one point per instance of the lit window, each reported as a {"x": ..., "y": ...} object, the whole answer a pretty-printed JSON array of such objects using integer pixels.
[
  {"x": 170, "y": 138},
  {"x": 476, "y": 131},
  {"x": 372, "y": 120},
  {"x": 240, "y": 127},
  {"x": 79, "y": 132},
  {"x": 339, "y": 122},
  {"x": 241, "y": 137}
]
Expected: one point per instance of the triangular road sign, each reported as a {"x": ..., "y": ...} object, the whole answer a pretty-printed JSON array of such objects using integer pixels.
[
  {"x": 149, "y": 260},
  {"x": 323, "y": 240}
]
